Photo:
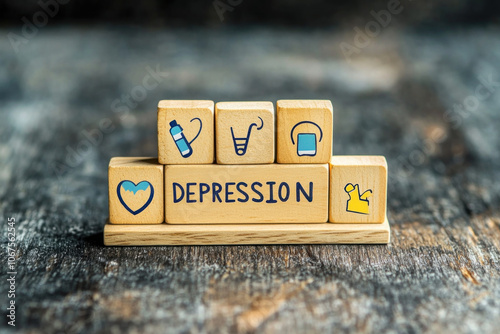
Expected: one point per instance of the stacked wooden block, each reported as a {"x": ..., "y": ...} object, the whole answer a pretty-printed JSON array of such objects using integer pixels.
[{"x": 307, "y": 196}]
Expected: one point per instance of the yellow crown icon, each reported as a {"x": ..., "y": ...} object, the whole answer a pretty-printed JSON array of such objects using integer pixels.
[{"x": 357, "y": 203}]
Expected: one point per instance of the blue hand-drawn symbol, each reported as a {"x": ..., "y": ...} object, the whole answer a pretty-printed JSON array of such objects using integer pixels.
[
  {"x": 180, "y": 140},
  {"x": 131, "y": 186},
  {"x": 241, "y": 144},
  {"x": 306, "y": 142}
]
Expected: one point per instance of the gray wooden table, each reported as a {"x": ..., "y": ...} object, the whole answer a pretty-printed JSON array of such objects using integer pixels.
[{"x": 73, "y": 98}]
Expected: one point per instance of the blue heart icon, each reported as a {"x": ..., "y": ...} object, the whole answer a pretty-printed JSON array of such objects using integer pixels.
[{"x": 131, "y": 186}]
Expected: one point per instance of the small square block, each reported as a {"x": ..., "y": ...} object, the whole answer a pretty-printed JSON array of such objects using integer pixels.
[
  {"x": 358, "y": 189},
  {"x": 135, "y": 191},
  {"x": 304, "y": 131},
  {"x": 244, "y": 132},
  {"x": 185, "y": 132}
]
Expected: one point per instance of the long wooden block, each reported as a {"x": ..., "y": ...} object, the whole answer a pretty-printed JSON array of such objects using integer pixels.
[
  {"x": 228, "y": 194},
  {"x": 256, "y": 234}
]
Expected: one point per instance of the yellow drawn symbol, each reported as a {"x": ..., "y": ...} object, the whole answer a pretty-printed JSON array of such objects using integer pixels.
[{"x": 357, "y": 203}]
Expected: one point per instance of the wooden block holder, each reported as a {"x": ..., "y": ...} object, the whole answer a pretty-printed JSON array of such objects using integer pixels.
[
  {"x": 292, "y": 229},
  {"x": 245, "y": 234}
]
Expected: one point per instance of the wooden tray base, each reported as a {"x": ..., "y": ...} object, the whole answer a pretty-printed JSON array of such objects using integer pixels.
[{"x": 245, "y": 234}]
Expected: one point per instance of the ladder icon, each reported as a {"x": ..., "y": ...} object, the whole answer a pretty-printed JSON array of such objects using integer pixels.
[{"x": 241, "y": 144}]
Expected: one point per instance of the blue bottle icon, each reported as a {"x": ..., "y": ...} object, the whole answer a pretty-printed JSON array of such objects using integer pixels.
[{"x": 183, "y": 145}]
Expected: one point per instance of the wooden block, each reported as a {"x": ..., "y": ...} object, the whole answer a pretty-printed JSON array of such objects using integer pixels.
[
  {"x": 358, "y": 189},
  {"x": 244, "y": 132},
  {"x": 228, "y": 194},
  {"x": 259, "y": 234},
  {"x": 135, "y": 191},
  {"x": 305, "y": 131},
  {"x": 185, "y": 132}
]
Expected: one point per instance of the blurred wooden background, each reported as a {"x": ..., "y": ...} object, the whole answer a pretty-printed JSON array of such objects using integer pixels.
[{"x": 426, "y": 98}]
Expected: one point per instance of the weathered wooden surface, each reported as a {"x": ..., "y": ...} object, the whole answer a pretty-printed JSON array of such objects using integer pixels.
[{"x": 441, "y": 272}]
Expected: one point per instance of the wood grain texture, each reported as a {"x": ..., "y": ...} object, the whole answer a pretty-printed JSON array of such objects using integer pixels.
[
  {"x": 309, "y": 142},
  {"x": 258, "y": 234},
  {"x": 229, "y": 194},
  {"x": 244, "y": 132},
  {"x": 195, "y": 117},
  {"x": 135, "y": 187},
  {"x": 358, "y": 189},
  {"x": 439, "y": 274}
]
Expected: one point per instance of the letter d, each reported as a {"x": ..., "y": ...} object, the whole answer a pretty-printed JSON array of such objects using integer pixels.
[
  {"x": 361, "y": 40},
  {"x": 28, "y": 25},
  {"x": 176, "y": 185},
  {"x": 73, "y": 159}
]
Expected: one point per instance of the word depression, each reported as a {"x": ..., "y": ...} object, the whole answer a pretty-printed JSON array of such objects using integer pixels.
[
  {"x": 231, "y": 192},
  {"x": 199, "y": 194}
]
